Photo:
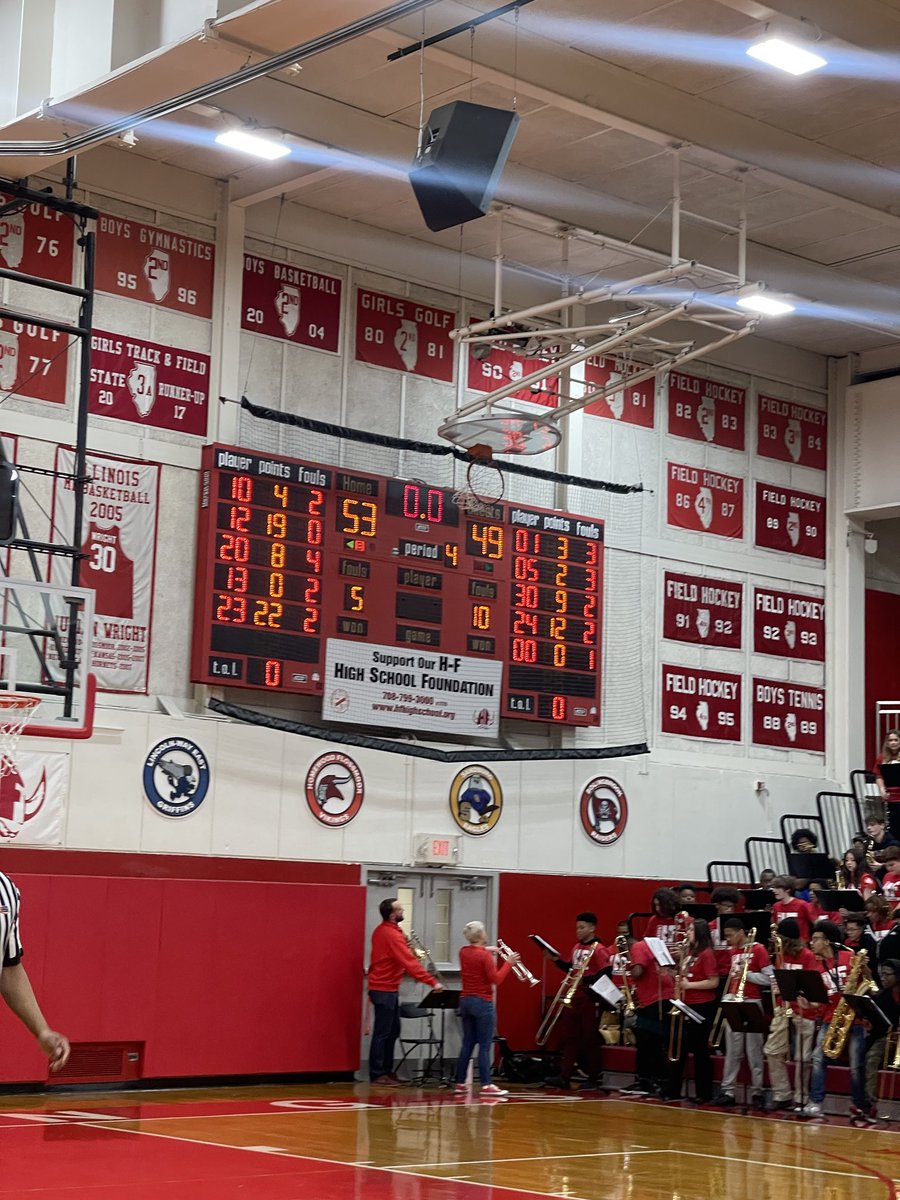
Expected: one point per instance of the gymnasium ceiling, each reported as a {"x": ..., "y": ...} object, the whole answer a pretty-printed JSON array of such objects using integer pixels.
[{"x": 609, "y": 92}]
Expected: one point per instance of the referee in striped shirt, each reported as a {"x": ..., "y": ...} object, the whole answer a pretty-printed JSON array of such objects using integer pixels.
[{"x": 15, "y": 986}]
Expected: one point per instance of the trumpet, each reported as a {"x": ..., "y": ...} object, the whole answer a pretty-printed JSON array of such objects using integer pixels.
[{"x": 518, "y": 968}]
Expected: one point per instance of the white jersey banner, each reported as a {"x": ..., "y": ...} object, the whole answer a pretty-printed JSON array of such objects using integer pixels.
[
  {"x": 33, "y": 800},
  {"x": 119, "y": 547},
  {"x": 411, "y": 689}
]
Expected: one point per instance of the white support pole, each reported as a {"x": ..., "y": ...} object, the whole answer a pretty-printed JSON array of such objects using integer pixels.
[{"x": 676, "y": 205}]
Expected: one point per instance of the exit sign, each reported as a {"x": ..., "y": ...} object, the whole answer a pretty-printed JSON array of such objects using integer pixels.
[{"x": 436, "y": 849}]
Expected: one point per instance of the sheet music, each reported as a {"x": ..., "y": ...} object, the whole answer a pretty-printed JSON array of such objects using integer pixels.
[
  {"x": 545, "y": 945},
  {"x": 688, "y": 1011},
  {"x": 660, "y": 951},
  {"x": 607, "y": 990}
]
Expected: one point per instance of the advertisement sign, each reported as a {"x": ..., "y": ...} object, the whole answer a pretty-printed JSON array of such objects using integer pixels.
[
  {"x": 37, "y": 241},
  {"x": 404, "y": 335},
  {"x": 701, "y": 704},
  {"x": 789, "y": 716},
  {"x": 33, "y": 800},
  {"x": 292, "y": 303},
  {"x": 33, "y": 361},
  {"x": 792, "y": 432},
  {"x": 706, "y": 410},
  {"x": 505, "y": 365},
  {"x": 406, "y": 689},
  {"x": 705, "y": 501},
  {"x": 158, "y": 266},
  {"x": 705, "y": 612},
  {"x": 119, "y": 547},
  {"x": 634, "y": 405},
  {"x": 149, "y": 384},
  {"x": 788, "y": 625},
  {"x": 790, "y": 521}
]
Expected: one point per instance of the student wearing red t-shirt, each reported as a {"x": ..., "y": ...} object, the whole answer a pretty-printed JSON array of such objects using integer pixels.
[
  {"x": 794, "y": 956},
  {"x": 696, "y": 984},
  {"x": 579, "y": 1023},
  {"x": 664, "y": 905},
  {"x": 750, "y": 963},
  {"x": 654, "y": 987},
  {"x": 479, "y": 975},
  {"x": 835, "y": 966},
  {"x": 854, "y": 874},
  {"x": 726, "y": 900},
  {"x": 788, "y": 905}
]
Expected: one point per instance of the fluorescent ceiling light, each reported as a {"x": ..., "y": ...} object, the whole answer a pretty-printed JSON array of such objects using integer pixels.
[
  {"x": 786, "y": 56},
  {"x": 253, "y": 143},
  {"x": 762, "y": 302}
]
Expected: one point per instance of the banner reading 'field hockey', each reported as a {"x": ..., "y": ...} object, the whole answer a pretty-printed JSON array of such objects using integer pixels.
[
  {"x": 705, "y": 612},
  {"x": 705, "y": 501},
  {"x": 701, "y": 704},
  {"x": 706, "y": 410},
  {"x": 404, "y": 335},
  {"x": 791, "y": 521},
  {"x": 788, "y": 625},
  {"x": 792, "y": 432}
]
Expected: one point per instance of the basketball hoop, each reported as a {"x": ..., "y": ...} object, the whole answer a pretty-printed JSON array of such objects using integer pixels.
[
  {"x": 483, "y": 437},
  {"x": 16, "y": 710}
]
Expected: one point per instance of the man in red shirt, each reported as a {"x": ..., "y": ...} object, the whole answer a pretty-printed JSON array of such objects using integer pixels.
[
  {"x": 579, "y": 1024},
  {"x": 654, "y": 987},
  {"x": 794, "y": 956},
  {"x": 390, "y": 959},
  {"x": 787, "y": 905},
  {"x": 750, "y": 963},
  {"x": 835, "y": 966}
]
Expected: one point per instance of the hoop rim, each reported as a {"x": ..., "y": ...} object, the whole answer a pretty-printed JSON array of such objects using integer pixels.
[{"x": 13, "y": 700}]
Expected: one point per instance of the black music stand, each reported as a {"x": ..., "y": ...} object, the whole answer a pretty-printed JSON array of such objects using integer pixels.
[
  {"x": 441, "y": 1001},
  {"x": 849, "y": 899},
  {"x": 706, "y": 912},
  {"x": 744, "y": 1016},
  {"x": 758, "y": 898},
  {"x": 866, "y": 1008},
  {"x": 809, "y": 985},
  {"x": 811, "y": 866}
]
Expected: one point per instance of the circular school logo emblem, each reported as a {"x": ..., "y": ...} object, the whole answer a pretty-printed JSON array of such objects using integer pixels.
[
  {"x": 176, "y": 777},
  {"x": 476, "y": 800},
  {"x": 603, "y": 811},
  {"x": 334, "y": 789}
]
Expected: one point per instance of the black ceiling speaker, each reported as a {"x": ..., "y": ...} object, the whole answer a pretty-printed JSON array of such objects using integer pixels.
[
  {"x": 9, "y": 502},
  {"x": 464, "y": 150}
]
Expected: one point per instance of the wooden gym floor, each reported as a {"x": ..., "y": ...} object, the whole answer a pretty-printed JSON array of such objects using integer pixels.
[{"x": 334, "y": 1141}]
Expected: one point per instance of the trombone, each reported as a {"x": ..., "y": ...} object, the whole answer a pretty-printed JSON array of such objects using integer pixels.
[
  {"x": 735, "y": 997},
  {"x": 519, "y": 969},
  {"x": 563, "y": 998},
  {"x": 423, "y": 954},
  {"x": 676, "y": 1014}
]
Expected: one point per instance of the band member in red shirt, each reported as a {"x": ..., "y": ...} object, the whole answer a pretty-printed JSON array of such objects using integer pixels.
[
  {"x": 479, "y": 976},
  {"x": 654, "y": 987},
  {"x": 793, "y": 956},
  {"x": 696, "y": 984},
  {"x": 579, "y": 1025},
  {"x": 390, "y": 959},
  {"x": 835, "y": 966},
  {"x": 750, "y": 963},
  {"x": 726, "y": 900},
  {"x": 665, "y": 905},
  {"x": 788, "y": 905},
  {"x": 854, "y": 873}
]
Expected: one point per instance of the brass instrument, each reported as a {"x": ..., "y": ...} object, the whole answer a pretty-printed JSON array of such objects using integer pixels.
[
  {"x": 859, "y": 982},
  {"x": 518, "y": 968},
  {"x": 683, "y": 922},
  {"x": 779, "y": 1008},
  {"x": 564, "y": 997},
  {"x": 627, "y": 982},
  {"x": 423, "y": 954},
  {"x": 735, "y": 997}
]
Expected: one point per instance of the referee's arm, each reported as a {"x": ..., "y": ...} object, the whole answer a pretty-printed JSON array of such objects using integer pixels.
[{"x": 16, "y": 990}]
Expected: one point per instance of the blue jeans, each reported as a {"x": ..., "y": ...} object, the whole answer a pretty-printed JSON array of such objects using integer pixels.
[
  {"x": 856, "y": 1047},
  {"x": 385, "y": 1031},
  {"x": 478, "y": 1020}
]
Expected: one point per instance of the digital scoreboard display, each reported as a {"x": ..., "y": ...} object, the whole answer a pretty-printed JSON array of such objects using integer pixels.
[{"x": 292, "y": 556}]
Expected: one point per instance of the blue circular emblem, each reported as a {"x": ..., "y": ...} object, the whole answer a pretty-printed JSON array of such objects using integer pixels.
[{"x": 176, "y": 777}]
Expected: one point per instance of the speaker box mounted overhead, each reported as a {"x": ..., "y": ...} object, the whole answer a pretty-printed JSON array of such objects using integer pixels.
[{"x": 464, "y": 150}]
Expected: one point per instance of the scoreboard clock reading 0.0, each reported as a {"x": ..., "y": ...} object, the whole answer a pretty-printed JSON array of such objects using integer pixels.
[{"x": 291, "y": 555}]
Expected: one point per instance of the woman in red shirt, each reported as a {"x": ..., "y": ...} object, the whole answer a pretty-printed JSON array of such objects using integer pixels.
[
  {"x": 890, "y": 753},
  {"x": 698, "y": 978},
  {"x": 854, "y": 873},
  {"x": 479, "y": 976}
]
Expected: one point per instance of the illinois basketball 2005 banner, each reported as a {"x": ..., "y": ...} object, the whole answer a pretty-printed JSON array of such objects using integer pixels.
[
  {"x": 404, "y": 335},
  {"x": 119, "y": 547},
  {"x": 290, "y": 302},
  {"x": 149, "y": 384},
  {"x": 159, "y": 266},
  {"x": 33, "y": 799}
]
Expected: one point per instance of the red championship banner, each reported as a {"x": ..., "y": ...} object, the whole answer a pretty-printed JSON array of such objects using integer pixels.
[
  {"x": 503, "y": 366},
  {"x": 119, "y": 547},
  {"x": 38, "y": 242},
  {"x": 631, "y": 405},
  {"x": 790, "y": 716},
  {"x": 790, "y": 521},
  {"x": 706, "y": 410},
  {"x": 705, "y": 501},
  {"x": 701, "y": 704},
  {"x": 286, "y": 301},
  {"x": 792, "y": 433},
  {"x": 788, "y": 625},
  {"x": 158, "y": 266},
  {"x": 33, "y": 362},
  {"x": 147, "y": 384},
  {"x": 705, "y": 612},
  {"x": 404, "y": 335}
]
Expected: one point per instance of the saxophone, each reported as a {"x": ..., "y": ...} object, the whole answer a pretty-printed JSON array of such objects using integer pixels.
[{"x": 859, "y": 982}]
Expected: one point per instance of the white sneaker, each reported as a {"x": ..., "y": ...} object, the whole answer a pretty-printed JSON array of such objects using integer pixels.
[
  {"x": 491, "y": 1089},
  {"x": 811, "y": 1110}
]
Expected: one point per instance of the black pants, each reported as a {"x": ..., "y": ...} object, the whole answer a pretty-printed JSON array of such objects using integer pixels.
[
  {"x": 893, "y": 816},
  {"x": 651, "y": 1032},
  {"x": 695, "y": 1040},
  {"x": 580, "y": 1040}
]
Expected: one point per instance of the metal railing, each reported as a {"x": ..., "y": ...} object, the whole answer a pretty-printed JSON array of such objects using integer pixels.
[
  {"x": 791, "y": 822},
  {"x": 728, "y": 872},
  {"x": 763, "y": 853}
]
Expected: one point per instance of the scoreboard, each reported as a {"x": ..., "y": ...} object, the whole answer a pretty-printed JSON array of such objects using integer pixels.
[{"x": 294, "y": 557}]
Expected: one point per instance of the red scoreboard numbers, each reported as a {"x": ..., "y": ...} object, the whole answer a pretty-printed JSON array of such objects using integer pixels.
[{"x": 292, "y": 555}]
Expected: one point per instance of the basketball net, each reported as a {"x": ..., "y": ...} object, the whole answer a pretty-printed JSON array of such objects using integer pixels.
[
  {"x": 484, "y": 484},
  {"x": 16, "y": 711}
]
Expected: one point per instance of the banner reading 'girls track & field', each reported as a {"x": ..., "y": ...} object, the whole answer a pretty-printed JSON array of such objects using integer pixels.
[
  {"x": 148, "y": 384},
  {"x": 704, "y": 612},
  {"x": 404, "y": 335},
  {"x": 119, "y": 546},
  {"x": 788, "y": 716},
  {"x": 705, "y": 501},
  {"x": 701, "y": 704}
]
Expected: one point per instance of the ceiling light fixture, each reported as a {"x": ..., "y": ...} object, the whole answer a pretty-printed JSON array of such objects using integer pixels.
[
  {"x": 254, "y": 144},
  {"x": 756, "y": 299},
  {"x": 786, "y": 53}
]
